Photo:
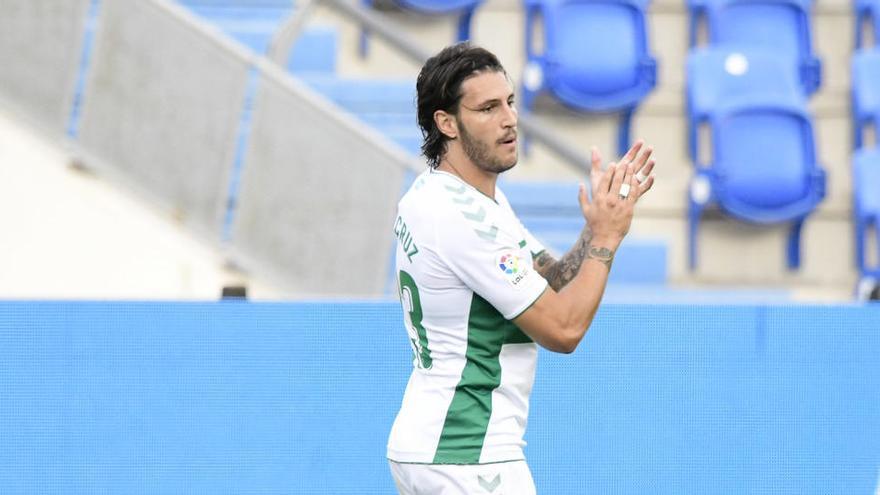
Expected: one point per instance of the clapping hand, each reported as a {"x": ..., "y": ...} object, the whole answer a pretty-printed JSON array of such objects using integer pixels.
[{"x": 615, "y": 192}]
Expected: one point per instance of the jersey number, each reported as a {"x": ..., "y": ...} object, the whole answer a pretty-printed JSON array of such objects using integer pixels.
[{"x": 412, "y": 306}]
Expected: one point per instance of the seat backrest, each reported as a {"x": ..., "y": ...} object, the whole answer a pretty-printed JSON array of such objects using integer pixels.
[
  {"x": 779, "y": 25},
  {"x": 579, "y": 42},
  {"x": 439, "y": 6},
  {"x": 763, "y": 152},
  {"x": 575, "y": 28},
  {"x": 866, "y": 91},
  {"x": 782, "y": 25},
  {"x": 716, "y": 74},
  {"x": 581, "y": 66}
]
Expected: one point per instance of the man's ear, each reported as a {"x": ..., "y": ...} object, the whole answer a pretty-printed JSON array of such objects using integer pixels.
[{"x": 446, "y": 123}]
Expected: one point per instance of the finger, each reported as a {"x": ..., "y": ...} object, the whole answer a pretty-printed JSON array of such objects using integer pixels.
[
  {"x": 643, "y": 157},
  {"x": 595, "y": 169},
  {"x": 596, "y": 161},
  {"x": 582, "y": 197},
  {"x": 643, "y": 174},
  {"x": 605, "y": 182},
  {"x": 618, "y": 179},
  {"x": 633, "y": 152},
  {"x": 646, "y": 186},
  {"x": 634, "y": 184}
]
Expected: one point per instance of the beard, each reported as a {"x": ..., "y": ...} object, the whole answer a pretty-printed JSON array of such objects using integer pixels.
[{"x": 480, "y": 154}]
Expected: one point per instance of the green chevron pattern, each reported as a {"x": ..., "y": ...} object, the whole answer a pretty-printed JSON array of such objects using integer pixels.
[{"x": 476, "y": 214}]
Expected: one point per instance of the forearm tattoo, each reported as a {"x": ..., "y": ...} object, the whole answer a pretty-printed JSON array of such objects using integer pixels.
[
  {"x": 602, "y": 254},
  {"x": 559, "y": 273}
]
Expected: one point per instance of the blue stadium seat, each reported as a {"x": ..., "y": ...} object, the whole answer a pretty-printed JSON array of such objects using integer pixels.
[
  {"x": 867, "y": 12},
  {"x": 866, "y": 186},
  {"x": 865, "y": 93},
  {"x": 763, "y": 167},
  {"x": 581, "y": 66},
  {"x": 780, "y": 25},
  {"x": 710, "y": 76},
  {"x": 464, "y": 8}
]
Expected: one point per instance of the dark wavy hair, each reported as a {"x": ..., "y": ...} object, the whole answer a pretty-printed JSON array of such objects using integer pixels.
[{"x": 439, "y": 88}]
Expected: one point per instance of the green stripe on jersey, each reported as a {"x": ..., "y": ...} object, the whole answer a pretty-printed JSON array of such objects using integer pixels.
[{"x": 467, "y": 420}]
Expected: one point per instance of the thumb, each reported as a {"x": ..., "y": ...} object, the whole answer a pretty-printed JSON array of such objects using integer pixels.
[{"x": 582, "y": 197}]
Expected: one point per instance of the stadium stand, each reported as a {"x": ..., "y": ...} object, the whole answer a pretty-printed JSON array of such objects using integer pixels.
[
  {"x": 578, "y": 68},
  {"x": 664, "y": 210}
]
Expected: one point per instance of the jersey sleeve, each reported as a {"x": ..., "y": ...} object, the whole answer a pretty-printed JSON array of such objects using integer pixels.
[
  {"x": 532, "y": 243},
  {"x": 534, "y": 246},
  {"x": 496, "y": 263}
]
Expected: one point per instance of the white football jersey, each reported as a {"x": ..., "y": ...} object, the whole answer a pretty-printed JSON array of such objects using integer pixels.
[{"x": 464, "y": 265}]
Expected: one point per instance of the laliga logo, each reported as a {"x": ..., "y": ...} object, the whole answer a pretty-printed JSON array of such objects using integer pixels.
[{"x": 510, "y": 265}]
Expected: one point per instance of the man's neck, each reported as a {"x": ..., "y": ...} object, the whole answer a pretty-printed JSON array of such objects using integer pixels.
[{"x": 462, "y": 167}]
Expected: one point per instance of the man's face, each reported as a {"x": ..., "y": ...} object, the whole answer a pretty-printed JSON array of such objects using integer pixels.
[{"x": 487, "y": 121}]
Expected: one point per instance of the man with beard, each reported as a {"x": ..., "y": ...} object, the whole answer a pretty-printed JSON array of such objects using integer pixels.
[{"x": 479, "y": 292}]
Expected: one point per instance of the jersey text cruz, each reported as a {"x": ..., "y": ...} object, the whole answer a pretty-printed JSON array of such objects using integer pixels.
[{"x": 404, "y": 236}]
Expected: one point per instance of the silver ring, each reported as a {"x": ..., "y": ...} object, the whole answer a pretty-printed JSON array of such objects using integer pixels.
[
  {"x": 624, "y": 191},
  {"x": 641, "y": 178}
]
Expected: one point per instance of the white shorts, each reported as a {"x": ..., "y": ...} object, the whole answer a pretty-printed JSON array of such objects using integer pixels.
[{"x": 503, "y": 478}]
